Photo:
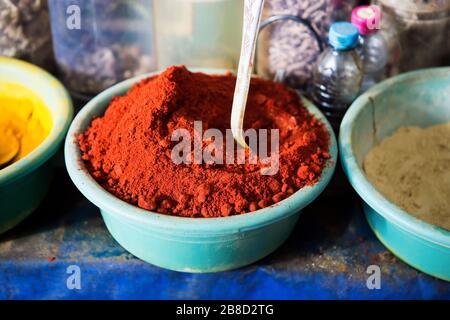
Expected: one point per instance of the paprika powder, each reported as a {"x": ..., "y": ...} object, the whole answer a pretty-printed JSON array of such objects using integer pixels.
[{"x": 128, "y": 149}]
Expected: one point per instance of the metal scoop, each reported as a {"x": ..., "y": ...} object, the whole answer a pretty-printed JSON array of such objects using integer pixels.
[{"x": 252, "y": 19}]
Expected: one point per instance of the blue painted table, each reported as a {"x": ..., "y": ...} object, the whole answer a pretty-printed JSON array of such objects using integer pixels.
[{"x": 326, "y": 257}]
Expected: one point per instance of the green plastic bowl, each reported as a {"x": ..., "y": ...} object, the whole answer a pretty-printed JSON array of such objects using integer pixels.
[
  {"x": 189, "y": 244},
  {"x": 420, "y": 98},
  {"x": 24, "y": 184}
]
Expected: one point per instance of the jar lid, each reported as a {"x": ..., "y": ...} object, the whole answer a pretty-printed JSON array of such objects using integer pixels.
[
  {"x": 343, "y": 35},
  {"x": 366, "y": 19}
]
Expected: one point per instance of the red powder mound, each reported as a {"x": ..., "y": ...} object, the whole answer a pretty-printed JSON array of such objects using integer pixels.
[{"x": 128, "y": 150}]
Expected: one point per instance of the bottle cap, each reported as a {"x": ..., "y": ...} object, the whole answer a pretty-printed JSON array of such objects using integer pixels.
[
  {"x": 366, "y": 19},
  {"x": 343, "y": 35}
]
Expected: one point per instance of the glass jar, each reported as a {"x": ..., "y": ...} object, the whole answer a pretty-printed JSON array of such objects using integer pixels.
[
  {"x": 418, "y": 33},
  {"x": 198, "y": 33},
  {"x": 25, "y": 31},
  {"x": 288, "y": 48},
  {"x": 98, "y": 43}
]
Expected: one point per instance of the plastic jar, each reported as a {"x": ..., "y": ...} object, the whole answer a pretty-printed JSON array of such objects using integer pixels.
[
  {"x": 98, "y": 43},
  {"x": 198, "y": 33},
  {"x": 25, "y": 31},
  {"x": 421, "y": 31},
  {"x": 287, "y": 48}
]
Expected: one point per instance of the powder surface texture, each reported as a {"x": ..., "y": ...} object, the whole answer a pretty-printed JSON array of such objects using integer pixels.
[
  {"x": 412, "y": 169},
  {"x": 128, "y": 150},
  {"x": 24, "y": 122}
]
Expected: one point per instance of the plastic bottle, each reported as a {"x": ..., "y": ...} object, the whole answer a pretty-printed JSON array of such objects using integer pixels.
[
  {"x": 373, "y": 48},
  {"x": 338, "y": 73}
]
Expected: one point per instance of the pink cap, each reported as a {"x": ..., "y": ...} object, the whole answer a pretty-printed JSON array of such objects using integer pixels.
[{"x": 366, "y": 19}]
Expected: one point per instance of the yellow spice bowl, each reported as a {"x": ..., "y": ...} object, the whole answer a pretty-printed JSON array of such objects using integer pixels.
[{"x": 24, "y": 183}]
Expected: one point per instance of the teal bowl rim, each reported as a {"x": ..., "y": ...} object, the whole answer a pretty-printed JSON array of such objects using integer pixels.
[
  {"x": 362, "y": 185},
  {"x": 204, "y": 226},
  {"x": 60, "y": 125}
]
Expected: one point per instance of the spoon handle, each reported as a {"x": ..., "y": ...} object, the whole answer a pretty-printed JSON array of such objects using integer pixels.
[{"x": 252, "y": 19}]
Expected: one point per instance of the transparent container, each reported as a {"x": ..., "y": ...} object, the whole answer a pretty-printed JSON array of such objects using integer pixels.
[
  {"x": 198, "y": 33},
  {"x": 338, "y": 73},
  {"x": 287, "y": 47},
  {"x": 25, "y": 31},
  {"x": 374, "y": 52},
  {"x": 418, "y": 33},
  {"x": 98, "y": 43},
  {"x": 373, "y": 47}
]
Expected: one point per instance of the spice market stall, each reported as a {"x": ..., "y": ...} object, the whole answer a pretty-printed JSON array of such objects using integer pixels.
[{"x": 122, "y": 175}]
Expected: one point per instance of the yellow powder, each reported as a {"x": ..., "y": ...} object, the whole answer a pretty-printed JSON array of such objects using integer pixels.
[
  {"x": 25, "y": 122},
  {"x": 411, "y": 168}
]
